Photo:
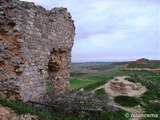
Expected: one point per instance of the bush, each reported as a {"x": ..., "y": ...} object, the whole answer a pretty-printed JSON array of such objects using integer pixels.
[
  {"x": 130, "y": 79},
  {"x": 100, "y": 93},
  {"x": 127, "y": 101},
  {"x": 18, "y": 107}
]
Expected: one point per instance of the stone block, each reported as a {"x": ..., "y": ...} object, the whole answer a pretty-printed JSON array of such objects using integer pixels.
[{"x": 20, "y": 40}]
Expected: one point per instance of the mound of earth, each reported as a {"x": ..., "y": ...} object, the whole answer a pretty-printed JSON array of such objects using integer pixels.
[
  {"x": 7, "y": 114},
  {"x": 120, "y": 86}
]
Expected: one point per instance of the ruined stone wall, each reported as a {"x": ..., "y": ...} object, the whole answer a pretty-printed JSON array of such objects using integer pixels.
[{"x": 34, "y": 43}]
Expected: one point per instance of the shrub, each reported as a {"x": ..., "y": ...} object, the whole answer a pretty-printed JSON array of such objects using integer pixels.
[
  {"x": 127, "y": 101},
  {"x": 100, "y": 93},
  {"x": 131, "y": 79}
]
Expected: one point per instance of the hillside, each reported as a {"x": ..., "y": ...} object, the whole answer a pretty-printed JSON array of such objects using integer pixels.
[
  {"x": 144, "y": 64},
  {"x": 110, "y": 78}
]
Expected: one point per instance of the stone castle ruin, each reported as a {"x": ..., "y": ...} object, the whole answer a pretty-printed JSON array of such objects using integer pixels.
[{"x": 34, "y": 43}]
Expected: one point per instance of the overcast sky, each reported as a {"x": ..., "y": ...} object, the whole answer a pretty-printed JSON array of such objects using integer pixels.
[{"x": 112, "y": 30}]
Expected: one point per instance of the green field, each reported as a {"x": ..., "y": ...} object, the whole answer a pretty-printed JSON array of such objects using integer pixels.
[{"x": 78, "y": 83}]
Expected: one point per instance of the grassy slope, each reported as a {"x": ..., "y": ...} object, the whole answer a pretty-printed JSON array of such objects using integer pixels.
[
  {"x": 22, "y": 108},
  {"x": 148, "y": 79},
  {"x": 78, "y": 83},
  {"x": 109, "y": 71}
]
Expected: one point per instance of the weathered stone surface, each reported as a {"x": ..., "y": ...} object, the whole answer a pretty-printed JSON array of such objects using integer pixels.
[{"x": 34, "y": 42}]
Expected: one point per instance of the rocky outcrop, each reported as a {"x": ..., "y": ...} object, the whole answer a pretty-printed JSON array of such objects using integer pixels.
[
  {"x": 120, "y": 86},
  {"x": 34, "y": 43}
]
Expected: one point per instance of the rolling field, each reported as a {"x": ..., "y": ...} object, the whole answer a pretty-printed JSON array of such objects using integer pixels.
[{"x": 106, "y": 72}]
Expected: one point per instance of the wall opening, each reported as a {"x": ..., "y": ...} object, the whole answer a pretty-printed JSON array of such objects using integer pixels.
[{"x": 53, "y": 69}]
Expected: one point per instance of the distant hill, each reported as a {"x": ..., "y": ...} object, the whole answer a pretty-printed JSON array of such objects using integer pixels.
[
  {"x": 90, "y": 65},
  {"x": 138, "y": 65},
  {"x": 98, "y": 66},
  {"x": 144, "y": 64}
]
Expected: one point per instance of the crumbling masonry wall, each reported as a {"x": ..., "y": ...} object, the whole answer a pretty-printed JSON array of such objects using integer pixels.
[{"x": 34, "y": 42}]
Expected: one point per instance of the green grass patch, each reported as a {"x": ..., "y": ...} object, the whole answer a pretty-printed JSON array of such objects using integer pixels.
[
  {"x": 48, "y": 88},
  {"x": 153, "y": 108},
  {"x": 22, "y": 108},
  {"x": 48, "y": 83},
  {"x": 155, "y": 78},
  {"x": 131, "y": 79},
  {"x": 153, "y": 87},
  {"x": 78, "y": 83},
  {"x": 100, "y": 93},
  {"x": 150, "y": 95},
  {"x": 106, "y": 75},
  {"x": 127, "y": 101},
  {"x": 19, "y": 107},
  {"x": 98, "y": 78},
  {"x": 115, "y": 115},
  {"x": 94, "y": 85}
]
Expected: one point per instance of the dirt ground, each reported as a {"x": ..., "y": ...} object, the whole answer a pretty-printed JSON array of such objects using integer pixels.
[{"x": 120, "y": 86}]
